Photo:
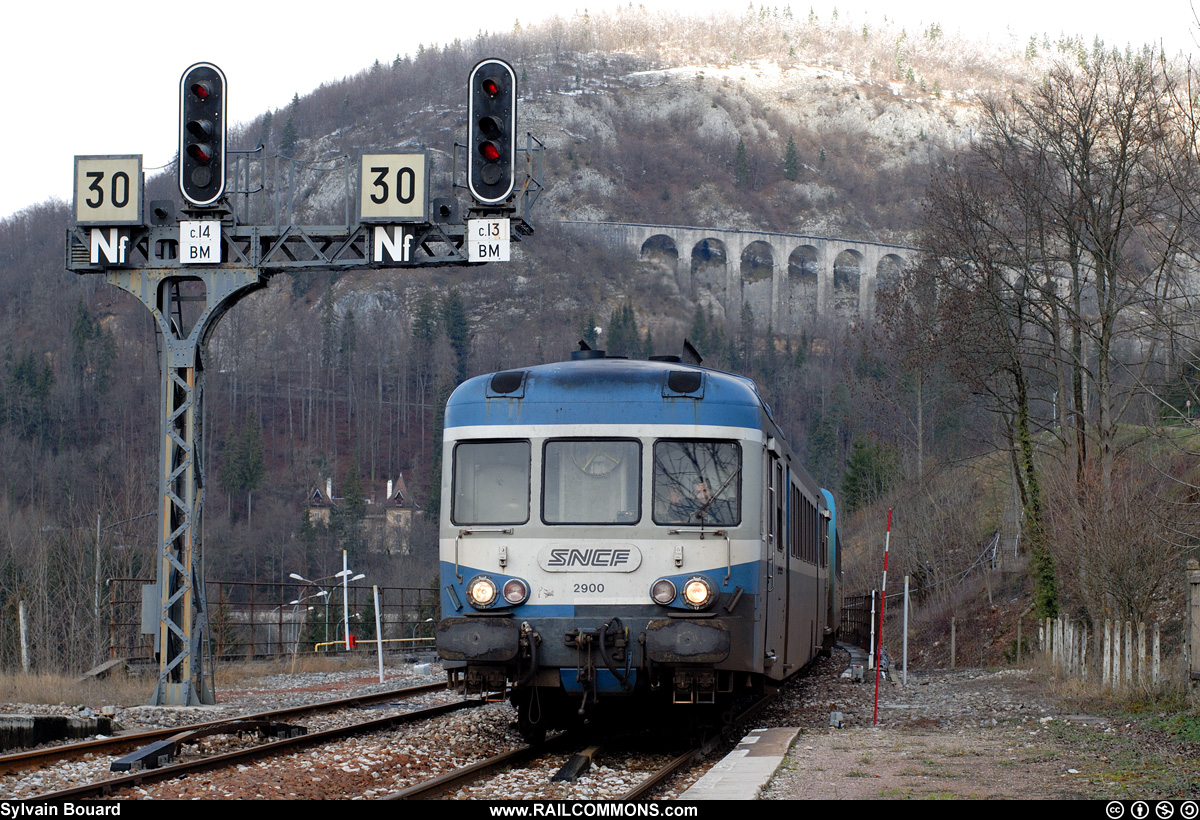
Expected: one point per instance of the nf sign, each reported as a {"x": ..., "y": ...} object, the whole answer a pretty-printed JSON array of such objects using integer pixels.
[
  {"x": 391, "y": 244},
  {"x": 487, "y": 240},
  {"x": 200, "y": 242}
]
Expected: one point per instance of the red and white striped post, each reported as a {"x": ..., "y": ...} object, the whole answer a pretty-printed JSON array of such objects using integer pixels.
[{"x": 882, "y": 600}]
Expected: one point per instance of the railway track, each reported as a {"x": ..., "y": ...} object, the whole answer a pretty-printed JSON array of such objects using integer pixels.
[
  {"x": 460, "y": 781},
  {"x": 461, "y": 767},
  {"x": 179, "y": 736},
  {"x": 119, "y": 744}
]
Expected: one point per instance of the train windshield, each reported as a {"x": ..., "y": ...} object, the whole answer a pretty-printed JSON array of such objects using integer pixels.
[
  {"x": 697, "y": 483},
  {"x": 591, "y": 481},
  {"x": 491, "y": 482}
]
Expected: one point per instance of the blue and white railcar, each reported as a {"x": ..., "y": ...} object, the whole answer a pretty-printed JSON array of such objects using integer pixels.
[{"x": 619, "y": 531}]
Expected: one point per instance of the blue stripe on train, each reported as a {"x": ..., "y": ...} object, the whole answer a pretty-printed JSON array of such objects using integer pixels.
[{"x": 606, "y": 682}]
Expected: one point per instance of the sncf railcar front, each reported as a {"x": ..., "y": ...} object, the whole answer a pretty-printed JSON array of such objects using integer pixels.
[{"x": 602, "y": 538}]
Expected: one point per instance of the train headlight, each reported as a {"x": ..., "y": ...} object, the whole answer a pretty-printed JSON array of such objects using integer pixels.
[
  {"x": 481, "y": 592},
  {"x": 515, "y": 591},
  {"x": 663, "y": 591},
  {"x": 698, "y": 592}
]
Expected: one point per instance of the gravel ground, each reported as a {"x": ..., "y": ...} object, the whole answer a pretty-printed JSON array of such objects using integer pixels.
[
  {"x": 970, "y": 734},
  {"x": 976, "y": 734}
]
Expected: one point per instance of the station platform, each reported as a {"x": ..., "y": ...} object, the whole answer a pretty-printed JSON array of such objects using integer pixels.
[{"x": 746, "y": 769}]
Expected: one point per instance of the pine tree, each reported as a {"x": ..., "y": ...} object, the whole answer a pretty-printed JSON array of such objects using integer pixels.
[
  {"x": 287, "y": 139},
  {"x": 244, "y": 460},
  {"x": 587, "y": 330},
  {"x": 870, "y": 471},
  {"x": 791, "y": 161},
  {"x": 454, "y": 316},
  {"x": 264, "y": 134},
  {"x": 349, "y": 514},
  {"x": 741, "y": 166}
]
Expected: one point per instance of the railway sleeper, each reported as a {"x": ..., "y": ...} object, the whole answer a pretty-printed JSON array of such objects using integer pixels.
[{"x": 163, "y": 752}]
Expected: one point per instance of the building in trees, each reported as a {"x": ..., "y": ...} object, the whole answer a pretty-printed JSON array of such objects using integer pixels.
[{"x": 385, "y": 525}]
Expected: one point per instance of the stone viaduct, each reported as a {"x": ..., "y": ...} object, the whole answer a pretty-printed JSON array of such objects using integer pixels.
[{"x": 789, "y": 278}]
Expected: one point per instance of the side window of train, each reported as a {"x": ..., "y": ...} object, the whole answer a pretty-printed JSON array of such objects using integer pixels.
[
  {"x": 796, "y": 528},
  {"x": 491, "y": 482},
  {"x": 777, "y": 497},
  {"x": 697, "y": 482},
  {"x": 591, "y": 481}
]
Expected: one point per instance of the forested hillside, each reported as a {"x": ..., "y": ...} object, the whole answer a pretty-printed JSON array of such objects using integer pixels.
[{"x": 763, "y": 121}]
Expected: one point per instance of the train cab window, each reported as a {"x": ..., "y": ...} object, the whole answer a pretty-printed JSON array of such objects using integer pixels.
[
  {"x": 491, "y": 482},
  {"x": 697, "y": 483},
  {"x": 591, "y": 481}
]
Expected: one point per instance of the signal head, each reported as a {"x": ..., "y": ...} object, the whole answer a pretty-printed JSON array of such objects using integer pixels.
[
  {"x": 202, "y": 134},
  {"x": 491, "y": 139}
]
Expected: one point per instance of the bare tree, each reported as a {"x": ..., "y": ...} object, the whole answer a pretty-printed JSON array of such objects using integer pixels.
[{"x": 1055, "y": 238}]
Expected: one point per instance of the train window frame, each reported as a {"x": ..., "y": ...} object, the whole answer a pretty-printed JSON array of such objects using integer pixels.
[
  {"x": 454, "y": 479},
  {"x": 636, "y": 463},
  {"x": 737, "y": 502}
]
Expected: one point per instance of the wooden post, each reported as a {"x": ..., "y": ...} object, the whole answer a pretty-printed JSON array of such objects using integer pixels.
[
  {"x": 1193, "y": 626},
  {"x": 1116, "y": 655},
  {"x": 1141, "y": 652},
  {"x": 23, "y": 624},
  {"x": 1129, "y": 654},
  {"x": 952, "y": 636},
  {"x": 1018, "y": 640},
  {"x": 1154, "y": 669},
  {"x": 1059, "y": 642},
  {"x": 1106, "y": 655},
  {"x": 1083, "y": 651}
]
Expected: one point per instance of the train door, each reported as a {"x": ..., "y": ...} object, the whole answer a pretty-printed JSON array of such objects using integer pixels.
[{"x": 777, "y": 583}]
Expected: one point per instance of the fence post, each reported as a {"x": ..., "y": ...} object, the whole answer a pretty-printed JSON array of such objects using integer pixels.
[
  {"x": 1141, "y": 652},
  {"x": 1106, "y": 655},
  {"x": 952, "y": 636},
  {"x": 1193, "y": 628},
  {"x": 1083, "y": 639},
  {"x": 1018, "y": 640},
  {"x": 1154, "y": 669},
  {"x": 1055, "y": 644},
  {"x": 23, "y": 625},
  {"x": 904, "y": 644},
  {"x": 1074, "y": 647},
  {"x": 1116, "y": 650},
  {"x": 1128, "y": 654}
]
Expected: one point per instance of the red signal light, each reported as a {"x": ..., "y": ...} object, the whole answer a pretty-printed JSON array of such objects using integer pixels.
[
  {"x": 201, "y": 90},
  {"x": 200, "y": 152},
  {"x": 490, "y": 86},
  {"x": 489, "y": 151}
]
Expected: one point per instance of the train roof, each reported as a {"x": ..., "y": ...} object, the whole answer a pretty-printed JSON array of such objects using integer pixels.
[{"x": 608, "y": 391}]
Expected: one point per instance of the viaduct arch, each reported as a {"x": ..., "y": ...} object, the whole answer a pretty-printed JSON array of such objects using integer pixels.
[{"x": 789, "y": 278}]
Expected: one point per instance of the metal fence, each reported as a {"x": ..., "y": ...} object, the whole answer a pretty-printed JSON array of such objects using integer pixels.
[
  {"x": 856, "y": 620},
  {"x": 958, "y": 632},
  {"x": 249, "y": 620}
]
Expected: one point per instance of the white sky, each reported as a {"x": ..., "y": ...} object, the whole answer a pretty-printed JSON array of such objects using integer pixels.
[{"x": 104, "y": 78}]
